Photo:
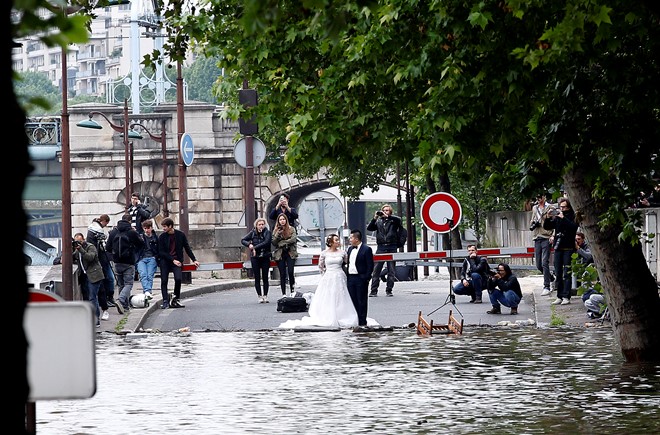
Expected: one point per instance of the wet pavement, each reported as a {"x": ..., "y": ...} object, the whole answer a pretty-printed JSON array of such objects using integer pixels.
[{"x": 240, "y": 310}]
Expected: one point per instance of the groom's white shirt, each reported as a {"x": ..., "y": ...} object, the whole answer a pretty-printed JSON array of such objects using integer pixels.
[{"x": 352, "y": 270}]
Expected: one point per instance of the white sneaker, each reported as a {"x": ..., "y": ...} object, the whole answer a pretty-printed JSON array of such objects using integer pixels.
[
  {"x": 261, "y": 299},
  {"x": 556, "y": 301},
  {"x": 105, "y": 315},
  {"x": 565, "y": 301},
  {"x": 546, "y": 291}
]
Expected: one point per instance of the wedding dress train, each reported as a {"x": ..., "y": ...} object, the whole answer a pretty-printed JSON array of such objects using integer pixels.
[{"x": 331, "y": 305}]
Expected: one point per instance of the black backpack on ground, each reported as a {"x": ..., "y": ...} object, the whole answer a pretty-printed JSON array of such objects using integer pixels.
[{"x": 292, "y": 305}]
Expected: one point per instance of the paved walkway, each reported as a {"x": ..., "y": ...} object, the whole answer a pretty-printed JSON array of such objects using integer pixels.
[{"x": 429, "y": 294}]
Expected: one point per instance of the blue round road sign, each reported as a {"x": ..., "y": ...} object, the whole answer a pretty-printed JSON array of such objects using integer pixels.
[{"x": 187, "y": 149}]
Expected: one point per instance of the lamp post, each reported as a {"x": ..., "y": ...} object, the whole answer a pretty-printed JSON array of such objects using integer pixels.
[
  {"x": 126, "y": 135},
  {"x": 163, "y": 146}
]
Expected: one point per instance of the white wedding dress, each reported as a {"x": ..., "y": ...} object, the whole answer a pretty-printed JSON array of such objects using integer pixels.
[{"x": 331, "y": 305}]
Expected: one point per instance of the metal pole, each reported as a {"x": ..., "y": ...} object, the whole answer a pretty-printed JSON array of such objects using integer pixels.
[
  {"x": 67, "y": 260},
  {"x": 181, "y": 129},
  {"x": 131, "y": 160},
  {"x": 163, "y": 146},
  {"x": 126, "y": 156},
  {"x": 249, "y": 177}
]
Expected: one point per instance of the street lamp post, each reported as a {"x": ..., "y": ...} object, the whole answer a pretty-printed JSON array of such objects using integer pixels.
[
  {"x": 163, "y": 146},
  {"x": 126, "y": 135}
]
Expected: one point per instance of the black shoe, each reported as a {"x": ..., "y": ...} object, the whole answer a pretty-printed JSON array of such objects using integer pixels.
[
  {"x": 494, "y": 310},
  {"x": 164, "y": 305},
  {"x": 472, "y": 299},
  {"x": 373, "y": 294},
  {"x": 176, "y": 304},
  {"x": 389, "y": 294},
  {"x": 111, "y": 303},
  {"x": 120, "y": 308}
]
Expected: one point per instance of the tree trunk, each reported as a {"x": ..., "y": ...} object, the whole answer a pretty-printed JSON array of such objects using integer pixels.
[{"x": 630, "y": 288}]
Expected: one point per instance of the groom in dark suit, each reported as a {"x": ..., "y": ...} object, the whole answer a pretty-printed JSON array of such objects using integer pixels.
[{"x": 360, "y": 268}]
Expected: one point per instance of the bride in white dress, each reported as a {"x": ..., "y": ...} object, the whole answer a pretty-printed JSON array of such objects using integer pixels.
[{"x": 331, "y": 305}]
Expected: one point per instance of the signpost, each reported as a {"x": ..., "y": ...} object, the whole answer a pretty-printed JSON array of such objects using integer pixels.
[
  {"x": 258, "y": 152},
  {"x": 187, "y": 149},
  {"x": 441, "y": 212}
]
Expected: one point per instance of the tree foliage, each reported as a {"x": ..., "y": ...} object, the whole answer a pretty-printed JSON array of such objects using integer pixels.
[
  {"x": 36, "y": 93},
  {"x": 201, "y": 76},
  {"x": 531, "y": 93}
]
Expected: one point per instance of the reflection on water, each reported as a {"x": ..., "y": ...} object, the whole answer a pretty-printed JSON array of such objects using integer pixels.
[{"x": 282, "y": 382}]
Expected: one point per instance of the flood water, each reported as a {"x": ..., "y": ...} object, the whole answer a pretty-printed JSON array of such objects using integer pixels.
[{"x": 489, "y": 380}]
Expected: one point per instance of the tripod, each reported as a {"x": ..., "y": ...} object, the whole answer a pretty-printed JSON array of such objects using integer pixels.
[{"x": 451, "y": 297}]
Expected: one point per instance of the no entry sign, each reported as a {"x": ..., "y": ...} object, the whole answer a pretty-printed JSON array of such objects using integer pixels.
[{"x": 441, "y": 212}]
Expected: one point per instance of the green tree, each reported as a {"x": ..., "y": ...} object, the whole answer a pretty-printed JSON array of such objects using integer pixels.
[
  {"x": 36, "y": 93},
  {"x": 529, "y": 92},
  {"x": 201, "y": 76}
]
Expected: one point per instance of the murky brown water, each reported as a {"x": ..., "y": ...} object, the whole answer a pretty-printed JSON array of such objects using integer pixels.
[{"x": 487, "y": 381}]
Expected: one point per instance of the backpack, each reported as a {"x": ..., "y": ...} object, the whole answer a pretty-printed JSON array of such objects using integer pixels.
[
  {"x": 401, "y": 237},
  {"x": 122, "y": 249}
]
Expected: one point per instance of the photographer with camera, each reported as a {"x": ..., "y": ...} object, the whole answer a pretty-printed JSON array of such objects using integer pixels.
[
  {"x": 385, "y": 224},
  {"x": 85, "y": 256},
  {"x": 283, "y": 207},
  {"x": 564, "y": 226},
  {"x": 541, "y": 238},
  {"x": 503, "y": 289}
]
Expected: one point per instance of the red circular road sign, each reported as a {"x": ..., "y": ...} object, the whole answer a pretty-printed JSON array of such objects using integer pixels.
[
  {"x": 37, "y": 295},
  {"x": 441, "y": 212}
]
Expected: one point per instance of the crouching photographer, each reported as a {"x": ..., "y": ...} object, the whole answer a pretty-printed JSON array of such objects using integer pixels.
[
  {"x": 503, "y": 289},
  {"x": 563, "y": 241}
]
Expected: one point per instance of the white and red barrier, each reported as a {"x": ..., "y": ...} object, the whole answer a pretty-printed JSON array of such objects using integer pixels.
[{"x": 313, "y": 260}]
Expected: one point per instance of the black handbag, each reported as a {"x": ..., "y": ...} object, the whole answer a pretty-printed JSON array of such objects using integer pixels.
[{"x": 292, "y": 305}]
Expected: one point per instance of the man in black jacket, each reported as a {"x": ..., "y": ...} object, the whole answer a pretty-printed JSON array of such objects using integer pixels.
[
  {"x": 124, "y": 243},
  {"x": 171, "y": 244},
  {"x": 386, "y": 225}
]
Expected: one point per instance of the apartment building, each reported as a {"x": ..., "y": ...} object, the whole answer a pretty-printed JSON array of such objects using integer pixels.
[{"x": 104, "y": 62}]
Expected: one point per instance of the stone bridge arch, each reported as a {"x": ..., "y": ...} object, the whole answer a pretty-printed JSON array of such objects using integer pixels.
[{"x": 297, "y": 190}]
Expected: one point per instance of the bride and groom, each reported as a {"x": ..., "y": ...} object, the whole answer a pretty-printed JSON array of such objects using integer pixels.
[{"x": 341, "y": 297}]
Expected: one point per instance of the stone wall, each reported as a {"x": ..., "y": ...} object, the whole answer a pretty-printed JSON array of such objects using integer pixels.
[{"x": 215, "y": 182}]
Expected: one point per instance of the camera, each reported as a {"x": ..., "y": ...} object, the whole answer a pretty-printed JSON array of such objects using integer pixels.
[
  {"x": 492, "y": 272},
  {"x": 558, "y": 237},
  {"x": 534, "y": 225},
  {"x": 553, "y": 213},
  {"x": 379, "y": 213},
  {"x": 75, "y": 244}
]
